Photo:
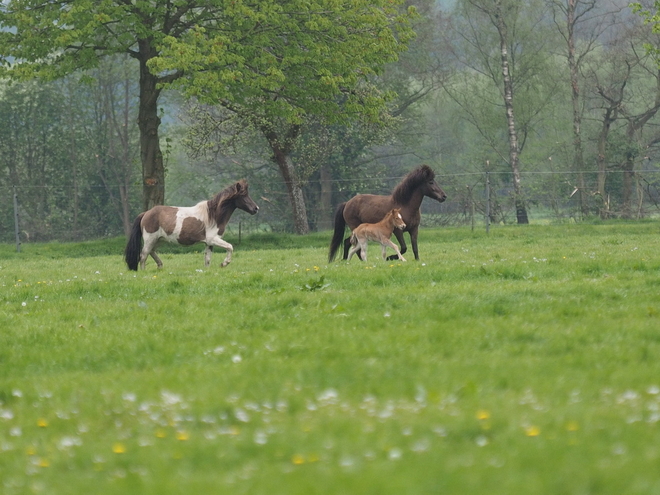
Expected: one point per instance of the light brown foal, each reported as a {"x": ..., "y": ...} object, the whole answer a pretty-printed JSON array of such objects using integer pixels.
[{"x": 379, "y": 232}]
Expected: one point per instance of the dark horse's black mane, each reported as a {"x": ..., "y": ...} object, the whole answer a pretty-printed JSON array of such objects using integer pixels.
[
  {"x": 411, "y": 182},
  {"x": 217, "y": 204}
]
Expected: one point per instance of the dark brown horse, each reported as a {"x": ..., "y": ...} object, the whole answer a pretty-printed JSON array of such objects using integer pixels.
[
  {"x": 371, "y": 208},
  {"x": 205, "y": 222}
]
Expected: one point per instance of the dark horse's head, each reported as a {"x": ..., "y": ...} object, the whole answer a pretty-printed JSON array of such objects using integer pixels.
[{"x": 421, "y": 179}]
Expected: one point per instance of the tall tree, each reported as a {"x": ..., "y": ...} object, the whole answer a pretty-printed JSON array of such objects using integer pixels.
[
  {"x": 581, "y": 24},
  {"x": 284, "y": 60},
  {"x": 499, "y": 42}
]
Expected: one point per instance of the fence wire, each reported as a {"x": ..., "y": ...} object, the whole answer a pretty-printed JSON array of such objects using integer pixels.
[{"x": 549, "y": 197}]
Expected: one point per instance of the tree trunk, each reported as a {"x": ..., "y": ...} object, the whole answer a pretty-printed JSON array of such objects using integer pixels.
[
  {"x": 281, "y": 148},
  {"x": 577, "y": 113},
  {"x": 325, "y": 215},
  {"x": 153, "y": 169},
  {"x": 514, "y": 158},
  {"x": 609, "y": 117}
]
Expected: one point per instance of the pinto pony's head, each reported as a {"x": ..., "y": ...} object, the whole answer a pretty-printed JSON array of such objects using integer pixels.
[
  {"x": 243, "y": 200},
  {"x": 234, "y": 196}
]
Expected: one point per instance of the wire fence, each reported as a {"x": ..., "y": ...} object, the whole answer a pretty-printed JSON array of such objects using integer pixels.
[{"x": 39, "y": 213}]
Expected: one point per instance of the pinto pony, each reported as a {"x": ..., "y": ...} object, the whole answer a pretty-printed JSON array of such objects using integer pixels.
[
  {"x": 379, "y": 232},
  {"x": 370, "y": 208},
  {"x": 186, "y": 225}
]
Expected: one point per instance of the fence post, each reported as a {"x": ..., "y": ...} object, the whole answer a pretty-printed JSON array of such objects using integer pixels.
[
  {"x": 16, "y": 224},
  {"x": 487, "y": 202}
]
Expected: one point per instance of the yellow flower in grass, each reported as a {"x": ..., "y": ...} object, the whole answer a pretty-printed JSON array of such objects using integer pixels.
[
  {"x": 483, "y": 414},
  {"x": 572, "y": 426},
  {"x": 119, "y": 448},
  {"x": 160, "y": 433},
  {"x": 44, "y": 463},
  {"x": 532, "y": 431},
  {"x": 42, "y": 423},
  {"x": 298, "y": 459},
  {"x": 182, "y": 435}
]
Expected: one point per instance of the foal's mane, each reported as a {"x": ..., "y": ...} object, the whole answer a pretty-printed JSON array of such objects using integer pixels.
[
  {"x": 403, "y": 192},
  {"x": 219, "y": 201}
]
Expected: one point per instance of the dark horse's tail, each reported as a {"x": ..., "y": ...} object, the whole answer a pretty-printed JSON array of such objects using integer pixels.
[
  {"x": 338, "y": 236},
  {"x": 134, "y": 245}
]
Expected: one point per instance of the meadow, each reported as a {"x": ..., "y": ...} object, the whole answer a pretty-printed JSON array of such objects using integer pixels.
[{"x": 523, "y": 361}]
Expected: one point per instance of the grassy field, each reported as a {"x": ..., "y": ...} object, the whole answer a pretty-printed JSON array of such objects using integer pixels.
[{"x": 526, "y": 361}]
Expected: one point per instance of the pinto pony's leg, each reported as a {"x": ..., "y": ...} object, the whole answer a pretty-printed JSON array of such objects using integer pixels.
[
  {"x": 158, "y": 261},
  {"x": 207, "y": 255},
  {"x": 150, "y": 242},
  {"x": 218, "y": 241}
]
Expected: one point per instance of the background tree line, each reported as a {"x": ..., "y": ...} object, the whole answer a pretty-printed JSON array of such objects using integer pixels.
[{"x": 315, "y": 102}]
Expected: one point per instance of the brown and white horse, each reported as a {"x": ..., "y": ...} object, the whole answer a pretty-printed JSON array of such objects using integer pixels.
[
  {"x": 379, "y": 232},
  {"x": 186, "y": 225},
  {"x": 370, "y": 208}
]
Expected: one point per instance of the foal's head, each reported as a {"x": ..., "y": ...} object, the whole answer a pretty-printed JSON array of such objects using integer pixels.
[{"x": 397, "y": 219}]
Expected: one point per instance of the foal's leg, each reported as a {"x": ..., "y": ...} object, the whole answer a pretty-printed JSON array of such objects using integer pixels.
[
  {"x": 395, "y": 247},
  {"x": 399, "y": 237},
  {"x": 347, "y": 246},
  {"x": 220, "y": 242},
  {"x": 353, "y": 248},
  {"x": 362, "y": 245}
]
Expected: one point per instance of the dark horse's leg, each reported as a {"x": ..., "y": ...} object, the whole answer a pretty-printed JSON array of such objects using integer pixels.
[
  {"x": 413, "y": 241},
  {"x": 402, "y": 242}
]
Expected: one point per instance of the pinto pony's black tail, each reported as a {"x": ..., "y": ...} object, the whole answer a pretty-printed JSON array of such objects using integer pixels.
[
  {"x": 134, "y": 245},
  {"x": 338, "y": 236}
]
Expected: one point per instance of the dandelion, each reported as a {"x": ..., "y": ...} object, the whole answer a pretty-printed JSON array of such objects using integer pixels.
[
  {"x": 532, "y": 431},
  {"x": 298, "y": 460},
  {"x": 182, "y": 436},
  {"x": 42, "y": 423},
  {"x": 572, "y": 426},
  {"x": 160, "y": 433},
  {"x": 43, "y": 463},
  {"x": 119, "y": 448},
  {"x": 483, "y": 415}
]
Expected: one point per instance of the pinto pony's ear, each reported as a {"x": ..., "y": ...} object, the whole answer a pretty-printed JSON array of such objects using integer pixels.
[{"x": 241, "y": 187}]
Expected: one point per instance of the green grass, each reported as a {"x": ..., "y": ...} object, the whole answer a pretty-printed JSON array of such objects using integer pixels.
[{"x": 526, "y": 361}]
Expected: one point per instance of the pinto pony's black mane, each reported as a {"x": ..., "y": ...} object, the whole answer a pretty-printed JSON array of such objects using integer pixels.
[
  {"x": 220, "y": 200},
  {"x": 402, "y": 193}
]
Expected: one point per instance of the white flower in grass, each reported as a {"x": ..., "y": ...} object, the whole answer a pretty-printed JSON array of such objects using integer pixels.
[
  {"x": 394, "y": 454},
  {"x": 236, "y": 358}
]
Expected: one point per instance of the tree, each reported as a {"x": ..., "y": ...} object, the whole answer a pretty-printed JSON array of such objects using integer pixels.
[
  {"x": 581, "y": 23},
  {"x": 502, "y": 42},
  {"x": 282, "y": 61}
]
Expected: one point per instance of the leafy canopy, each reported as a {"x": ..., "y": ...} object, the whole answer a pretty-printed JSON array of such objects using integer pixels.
[{"x": 288, "y": 58}]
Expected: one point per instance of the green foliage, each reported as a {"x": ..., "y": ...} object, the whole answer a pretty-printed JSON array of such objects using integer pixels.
[
  {"x": 300, "y": 58},
  {"x": 523, "y": 361}
]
